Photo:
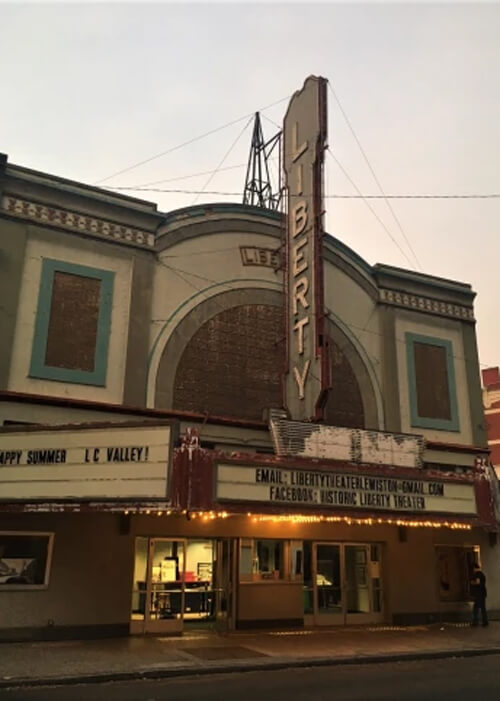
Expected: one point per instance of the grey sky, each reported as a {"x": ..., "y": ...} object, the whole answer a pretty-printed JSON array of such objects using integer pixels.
[{"x": 90, "y": 89}]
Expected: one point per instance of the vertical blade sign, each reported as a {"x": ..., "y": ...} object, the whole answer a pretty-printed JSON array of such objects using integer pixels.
[{"x": 304, "y": 143}]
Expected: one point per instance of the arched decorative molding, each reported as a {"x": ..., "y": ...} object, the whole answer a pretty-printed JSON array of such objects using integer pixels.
[
  {"x": 187, "y": 319},
  {"x": 191, "y": 230},
  {"x": 363, "y": 369},
  {"x": 184, "y": 321}
]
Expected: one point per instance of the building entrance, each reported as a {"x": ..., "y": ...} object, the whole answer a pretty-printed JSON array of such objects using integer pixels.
[
  {"x": 342, "y": 583},
  {"x": 181, "y": 582}
]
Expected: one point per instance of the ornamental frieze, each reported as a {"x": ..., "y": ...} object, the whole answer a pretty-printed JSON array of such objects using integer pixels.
[
  {"x": 73, "y": 221},
  {"x": 426, "y": 304}
]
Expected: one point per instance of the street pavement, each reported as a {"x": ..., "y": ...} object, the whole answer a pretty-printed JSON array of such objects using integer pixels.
[
  {"x": 202, "y": 652},
  {"x": 449, "y": 679}
]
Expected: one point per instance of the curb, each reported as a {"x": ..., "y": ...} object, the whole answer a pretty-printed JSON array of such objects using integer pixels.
[{"x": 224, "y": 668}]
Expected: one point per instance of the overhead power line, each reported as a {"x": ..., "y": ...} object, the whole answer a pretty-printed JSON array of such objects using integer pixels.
[
  {"x": 360, "y": 196},
  {"x": 371, "y": 208},
  {"x": 486, "y": 196},
  {"x": 189, "y": 175},
  {"x": 271, "y": 121},
  {"x": 372, "y": 171},
  {"x": 186, "y": 143},
  {"x": 221, "y": 162}
]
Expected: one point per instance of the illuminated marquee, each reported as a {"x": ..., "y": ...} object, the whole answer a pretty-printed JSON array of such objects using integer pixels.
[
  {"x": 339, "y": 490},
  {"x": 304, "y": 135},
  {"x": 117, "y": 461}
]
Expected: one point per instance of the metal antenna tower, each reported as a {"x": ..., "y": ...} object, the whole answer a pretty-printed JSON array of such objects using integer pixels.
[{"x": 258, "y": 184}]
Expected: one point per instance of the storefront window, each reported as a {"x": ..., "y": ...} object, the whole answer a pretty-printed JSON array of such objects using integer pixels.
[
  {"x": 24, "y": 559},
  {"x": 454, "y": 567}
]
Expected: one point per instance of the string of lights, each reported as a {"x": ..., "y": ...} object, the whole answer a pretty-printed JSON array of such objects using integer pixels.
[
  {"x": 350, "y": 521},
  {"x": 212, "y": 515}
]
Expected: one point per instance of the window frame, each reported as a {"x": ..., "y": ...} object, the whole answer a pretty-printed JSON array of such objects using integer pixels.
[
  {"x": 38, "y": 367},
  {"x": 48, "y": 562},
  {"x": 451, "y": 424},
  {"x": 254, "y": 576}
]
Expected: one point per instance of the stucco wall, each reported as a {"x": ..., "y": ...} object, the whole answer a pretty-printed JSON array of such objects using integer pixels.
[
  {"x": 90, "y": 578},
  {"x": 270, "y": 602},
  {"x": 44, "y": 244},
  {"x": 12, "y": 252},
  {"x": 447, "y": 330}
]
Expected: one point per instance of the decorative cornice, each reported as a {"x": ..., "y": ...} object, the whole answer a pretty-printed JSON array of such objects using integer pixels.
[
  {"x": 426, "y": 304},
  {"x": 73, "y": 221}
]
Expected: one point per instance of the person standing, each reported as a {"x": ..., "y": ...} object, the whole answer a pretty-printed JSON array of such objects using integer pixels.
[{"x": 478, "y": 593}]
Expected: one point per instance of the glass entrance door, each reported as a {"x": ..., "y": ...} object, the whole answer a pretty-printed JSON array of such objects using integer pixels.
[
  {"x": 357, "y": 589},
  {"x": 328, "y": 584},
  {"x": 224, "y": 578},
  {"x": 165, "y": 596},
  {"x": 342, "y": 583},
  {"x": 158, "y": 586}
]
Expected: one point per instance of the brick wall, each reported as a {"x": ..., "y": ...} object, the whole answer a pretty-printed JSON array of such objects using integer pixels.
[
  {"x": 232, "y": 366},
  {"x": 491, "y": 392},
  {"x": 490, "y": 376}
]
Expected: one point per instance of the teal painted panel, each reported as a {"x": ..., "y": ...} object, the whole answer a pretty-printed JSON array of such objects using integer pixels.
[
  {"x": 451, "y": 424},
  {"x": 38, "y": 367}
]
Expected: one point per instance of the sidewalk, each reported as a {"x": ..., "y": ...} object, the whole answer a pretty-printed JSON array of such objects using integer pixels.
[{"x": 80, "y": 661}]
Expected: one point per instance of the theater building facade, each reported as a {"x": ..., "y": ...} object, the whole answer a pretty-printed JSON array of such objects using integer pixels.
[{"x": 151, "y": 478}]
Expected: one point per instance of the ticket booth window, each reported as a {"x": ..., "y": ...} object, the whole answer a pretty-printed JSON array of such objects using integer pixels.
[
  {"x": 268, "y": 559},
  {"x": 297, "y": 560}
]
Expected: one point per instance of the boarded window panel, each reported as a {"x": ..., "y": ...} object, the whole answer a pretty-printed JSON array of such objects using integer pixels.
[
  {"x": 431, "y": 376},
  {"x": 73, "y": 323}
]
